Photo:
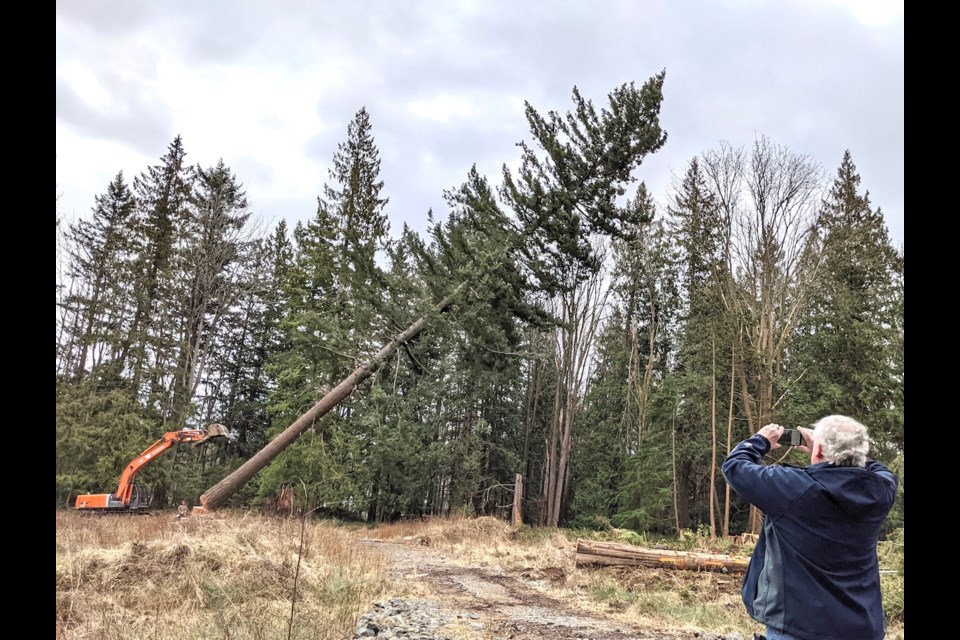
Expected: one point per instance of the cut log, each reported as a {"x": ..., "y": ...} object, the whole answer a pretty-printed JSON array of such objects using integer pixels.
[{"x": 593, "y": 552}]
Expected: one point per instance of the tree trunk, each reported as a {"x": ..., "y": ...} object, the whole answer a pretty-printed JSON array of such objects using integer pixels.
[
  {"x": 518, "y": 500},
  {"x": 713, "y": 438},
  {"x": 673, "y": 455},
  {"x": 726, "y": 495},
  {"x": 551, "y": 455},
  {"x": 566, "y": 423},
  {"x": 217, "y": 496}
]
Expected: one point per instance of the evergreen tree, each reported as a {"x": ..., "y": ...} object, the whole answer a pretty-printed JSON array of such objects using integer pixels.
[
  {"x": 649, "y": 490},
  {"x": 355, "y": 201},
  {"x": 335, "y": 316},
  {"x": 631, "y": 364},
  {"x": 847, "y": 355},
  {"x": 307, "y": 360},
  {"x": 646, "y": 287},
  {"x": 163, "y": 197},
  {"x": 209, "y": 265},
  {"x": 404, "y": 453},
  {"x": 606, "y": 431},
  {"x": 241, "y": 383},
  {"x": 483, "y": 344},
  {"x": 704, "y": 344},
  {"x": 568, "y": 185},
  {"x": 102, "y": 250},
  {"x": 98, "y": 432},
  {"x": 99, "y": 419}
]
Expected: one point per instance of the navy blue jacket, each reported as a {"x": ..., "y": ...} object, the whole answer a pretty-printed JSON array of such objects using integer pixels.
[{"x": 814, "y": 573}]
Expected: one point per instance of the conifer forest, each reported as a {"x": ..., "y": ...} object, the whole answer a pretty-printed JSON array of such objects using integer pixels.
[{"x": 607, "y": 349}]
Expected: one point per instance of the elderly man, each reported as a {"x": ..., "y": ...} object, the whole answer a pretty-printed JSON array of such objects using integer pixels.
[{"x": 814, "y": 574}]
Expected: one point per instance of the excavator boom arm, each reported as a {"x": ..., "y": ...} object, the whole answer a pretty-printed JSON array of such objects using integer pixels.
[
  {"x": 124, "y": 498},
  {"x": 168, "y": 440}
]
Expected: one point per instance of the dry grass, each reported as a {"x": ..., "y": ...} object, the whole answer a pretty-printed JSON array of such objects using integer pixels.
[
  {"x": 484, "y": 541},
  {"x": 225, "y": 576},
  {"x": 231, "y": 576}
]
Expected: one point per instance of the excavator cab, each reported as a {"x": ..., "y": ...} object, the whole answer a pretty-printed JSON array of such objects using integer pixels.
[{"x": 139, "y": 498}]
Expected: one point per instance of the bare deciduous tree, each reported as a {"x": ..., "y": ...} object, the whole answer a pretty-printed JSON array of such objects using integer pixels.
[
  {"x": 580, "y": 312},
  {"x": 770, "y": 204}
]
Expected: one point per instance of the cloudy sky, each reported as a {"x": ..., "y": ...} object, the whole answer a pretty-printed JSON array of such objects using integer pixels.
[{"x": 270, "y": 87}]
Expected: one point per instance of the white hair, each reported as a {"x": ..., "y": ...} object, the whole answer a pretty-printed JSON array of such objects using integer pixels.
[{"x": 843, "y": 440}]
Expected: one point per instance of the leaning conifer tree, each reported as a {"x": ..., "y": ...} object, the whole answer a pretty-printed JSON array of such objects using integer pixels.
[{"x": 558, "y": 202}]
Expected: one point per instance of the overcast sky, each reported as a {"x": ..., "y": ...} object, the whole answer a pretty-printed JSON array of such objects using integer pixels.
[{"x": 270, "y": 87}]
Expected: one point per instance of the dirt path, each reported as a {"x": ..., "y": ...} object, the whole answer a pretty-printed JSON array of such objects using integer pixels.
[{"x": 447, "y": 601}]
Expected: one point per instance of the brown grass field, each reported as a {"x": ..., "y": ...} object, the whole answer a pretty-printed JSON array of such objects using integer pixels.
[{"x": 233, "y": 575}]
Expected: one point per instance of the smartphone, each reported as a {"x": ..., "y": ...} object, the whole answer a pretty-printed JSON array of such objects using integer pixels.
[{"x": 791, "y": 437}]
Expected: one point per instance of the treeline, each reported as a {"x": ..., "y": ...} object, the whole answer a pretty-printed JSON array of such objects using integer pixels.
[{"x": 607, "y": 351}]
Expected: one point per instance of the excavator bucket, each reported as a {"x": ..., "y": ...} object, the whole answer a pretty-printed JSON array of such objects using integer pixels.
[{"x": 216, "y": 429}]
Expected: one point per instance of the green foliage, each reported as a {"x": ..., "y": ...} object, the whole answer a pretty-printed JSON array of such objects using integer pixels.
[
  {"x": 894, "y": 520},
  {"x": 98, "y": 433},
  {"x": 163, "y": 194},
  {"x": 332, "y": 320},
  {"x": 591, "y": 523},
  {"x": 405, "y": 458},
  {"x": 600, "y": 455},
  {"x": 631, "y": 361},
  {"x": 103, "y": 249},
  {"x": 891, "y": 574},
  {"x": 210, "y": 278},
  {"x": 569, "y": 183},
  {"x": 702, "y": 375},
  {"x": 690, "y": 539},
  {"x": 847, "y": 355},
  {"x": 646, "y": 493},
  {"x": 626, "y": 536}
]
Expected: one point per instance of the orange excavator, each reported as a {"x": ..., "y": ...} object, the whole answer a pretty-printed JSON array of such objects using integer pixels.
[{"x": 133, "y": 497}]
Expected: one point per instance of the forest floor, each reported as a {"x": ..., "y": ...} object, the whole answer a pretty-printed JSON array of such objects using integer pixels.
[
  {"x": 237, "y": 575},
  {"x": 469, "y": 600}
]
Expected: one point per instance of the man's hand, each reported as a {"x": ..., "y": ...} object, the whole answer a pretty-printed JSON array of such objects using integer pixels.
[
  {"x": 807, "y": 445},
  {"x": 772, "y": 432}
]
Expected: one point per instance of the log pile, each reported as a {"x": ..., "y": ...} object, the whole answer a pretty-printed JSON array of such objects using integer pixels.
[{"x": 593, "y": 552}]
